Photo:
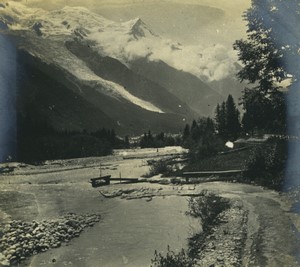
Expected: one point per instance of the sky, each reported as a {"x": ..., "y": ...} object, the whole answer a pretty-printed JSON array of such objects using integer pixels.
[{"x": 201, "y": 22}]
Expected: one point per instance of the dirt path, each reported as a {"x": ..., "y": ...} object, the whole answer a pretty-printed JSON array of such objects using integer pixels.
[{"x": 257, "y": 231}]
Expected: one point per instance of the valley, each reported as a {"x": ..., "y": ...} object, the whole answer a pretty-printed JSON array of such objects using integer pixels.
[
  {"x": 112, "y": 72},
  {"x": 137, "y": 219},
  {"x": 122, "y": 147}
]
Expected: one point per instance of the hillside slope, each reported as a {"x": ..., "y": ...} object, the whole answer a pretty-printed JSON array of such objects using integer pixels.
[{"x": 187, "y": 87}]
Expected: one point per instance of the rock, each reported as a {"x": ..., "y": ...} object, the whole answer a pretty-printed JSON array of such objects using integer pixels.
[
  {"x": 39, "y": 235},
  {"x": 19, "y": 250},
  {"x": 4, "y": 263},
  {"x": 13, "y": 258},
  {"x": 21, "y": 239},
  {"x": 220, "y": 258},
  {"x": 211, "y": 246},
  {"x": 72, "y": 223},
  {"x": 11, "y": 252},
  {"x": 56, "y": 245},
  {"x": 14, "y": 246}
]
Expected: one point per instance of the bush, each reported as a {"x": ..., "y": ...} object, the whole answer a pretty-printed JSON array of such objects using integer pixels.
[
  {"x": 266, "y": 163},
  {"x": 159, "y": 167},
  {"x": 206, "y": 147},
  {"x": 172, "y": 259},
  {"x": 207, "y": 206}
]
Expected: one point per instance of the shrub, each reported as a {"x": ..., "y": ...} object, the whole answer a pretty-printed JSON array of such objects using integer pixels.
[
  {"x": 172, "y": 259},
  {"x": 266, "y": 163},
  {"x": 207, "y": 206},
  {"x": 206, "y": 147},
  {"x": 159, "y": 167}
]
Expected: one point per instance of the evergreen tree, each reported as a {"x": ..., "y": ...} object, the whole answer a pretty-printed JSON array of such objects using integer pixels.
[
  {"x": 218, "y": 116},
  {"x": 112, "y": 137},
  {"x": 194, "y": 125},
  {"x": 228, "y": 119},
  {"x": 257, "y": 111},
  {"x": 186, "y": 132},
  {"x": 233, "y": 125},
  {"x": 220, "y": 119},
  {"x": 144, "y": 141},
  {"x": 126, "y": 141},
  {"x": 206, "y": 142},
  {"x": 194, "y": 130},
  {"x": 223, "y": 123},
  {"x": 150, "y": 139}
]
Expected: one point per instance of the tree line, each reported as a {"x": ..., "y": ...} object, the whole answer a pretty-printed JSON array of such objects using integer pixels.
[
  {"x": 158, "y": 140},
  {"x": 206, "y": 136},
  {"x": 38, "y": 142}
]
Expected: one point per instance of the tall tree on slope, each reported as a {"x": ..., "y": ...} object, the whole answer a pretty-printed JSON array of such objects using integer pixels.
[
  {"x": 227, "y": 120},
  {"x": 271, "y": 54}
]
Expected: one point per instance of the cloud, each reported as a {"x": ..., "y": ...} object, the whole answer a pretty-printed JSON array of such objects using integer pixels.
[
  {"x": 188, "y": 21},
  {"x": 114, "y": 39},
  {"x": 212, "y": 63}
]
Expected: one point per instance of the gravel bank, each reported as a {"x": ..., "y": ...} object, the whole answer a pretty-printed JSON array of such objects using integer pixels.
[
  {"x": 224, "y": 246},
  {"x": 20, "y": 240}
]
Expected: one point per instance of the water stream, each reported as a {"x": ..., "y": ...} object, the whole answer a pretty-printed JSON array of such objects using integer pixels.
[{"x": 128, "y": 235}]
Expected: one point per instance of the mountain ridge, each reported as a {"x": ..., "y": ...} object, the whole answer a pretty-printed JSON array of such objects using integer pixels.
[
  {"x": 41, "y": 91},
  {"x": 200, "y": 96},
  {"x": 113, "y": 70},
  {"x": 113, "y": 66}
]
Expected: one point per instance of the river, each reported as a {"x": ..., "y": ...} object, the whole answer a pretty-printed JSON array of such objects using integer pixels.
[{"x": 128, "y": 235}]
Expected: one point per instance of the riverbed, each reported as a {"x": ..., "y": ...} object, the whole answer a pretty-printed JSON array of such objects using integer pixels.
[{"x": 137, "y": 219}]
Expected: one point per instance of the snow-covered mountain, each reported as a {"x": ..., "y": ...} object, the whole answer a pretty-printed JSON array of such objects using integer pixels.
[
  {"x": 124, "y": 41},
  {"x": 95, "y": 58},
  {"x": 69, "y": 21}
]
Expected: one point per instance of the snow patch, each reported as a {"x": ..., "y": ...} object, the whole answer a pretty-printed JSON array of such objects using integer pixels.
[
  {"x": 125, "y": 41},
  {"x": 66, "y": 60}
]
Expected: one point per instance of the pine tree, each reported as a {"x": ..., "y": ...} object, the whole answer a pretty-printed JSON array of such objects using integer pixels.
[
  {"x": 186, "y": 132},
  {"x": 194, "y": 125},
  {"x": 228, "y": 119},
  {"x": 126, "y": 141},
  {"x": 194, "y": 131},
  {"x": 220, "y": 119},
  {"x": 218, "y": 116},
  {"x": 233, "y": 125},
  {"x": 223, "y": 122}
]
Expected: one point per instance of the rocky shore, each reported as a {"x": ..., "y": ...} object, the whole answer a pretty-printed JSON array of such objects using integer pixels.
[
  {"x": 224, "y": 246},
  {"x": 20, "y": 240}
]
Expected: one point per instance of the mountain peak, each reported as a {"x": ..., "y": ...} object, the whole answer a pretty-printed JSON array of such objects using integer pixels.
[
  {"x": 138, "y": 22},
  {"x": 76, "y": 9},
  {"x": 139, "y": 29}
]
